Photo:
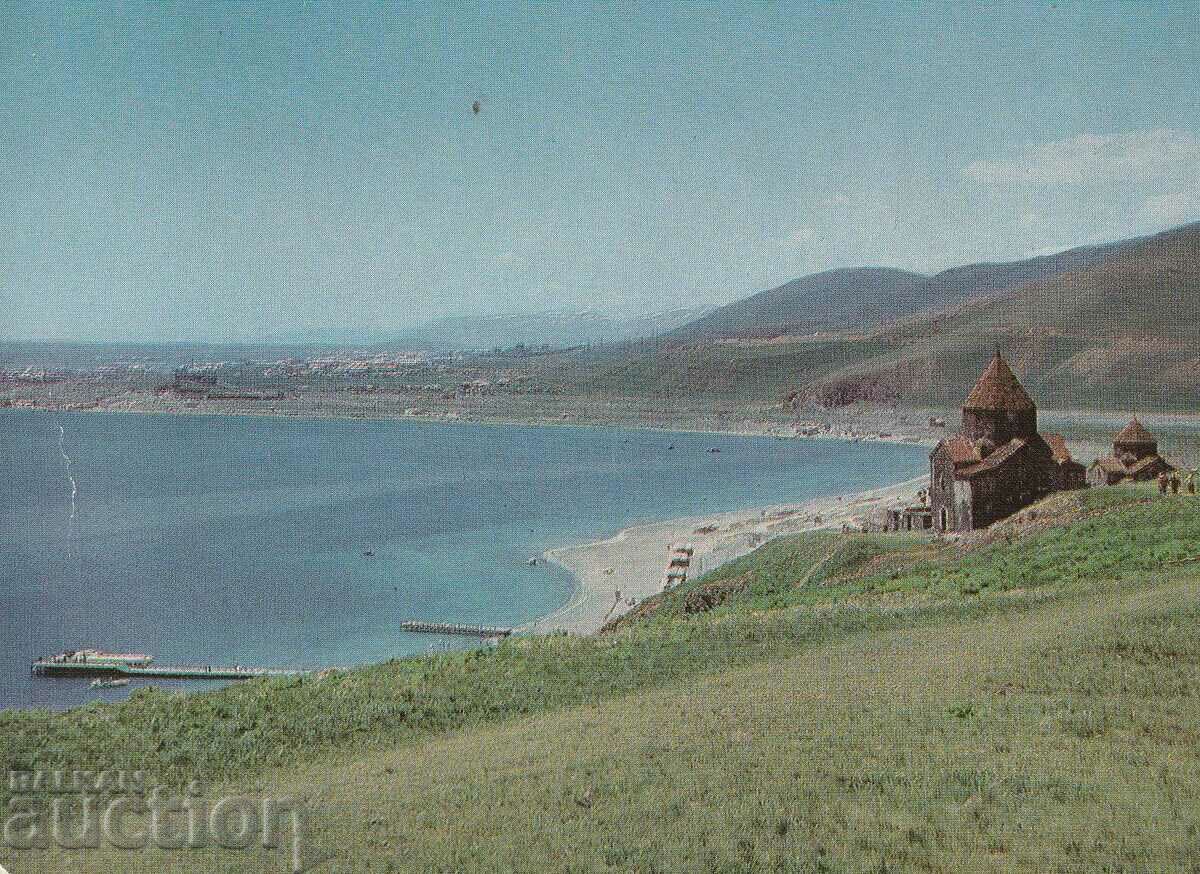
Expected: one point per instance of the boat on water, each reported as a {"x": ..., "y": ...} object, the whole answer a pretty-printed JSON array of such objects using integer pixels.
[{"x": 109, "y": 684}]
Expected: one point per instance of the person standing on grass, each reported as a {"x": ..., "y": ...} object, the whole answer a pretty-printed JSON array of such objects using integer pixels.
[
  {"x": 1191, "y": 481},
  {"x": 1174, "y": 483},
  {"x": 1162, "y": 483}
]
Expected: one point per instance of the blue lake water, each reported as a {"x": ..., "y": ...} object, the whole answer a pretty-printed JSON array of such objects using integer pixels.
[{"x": 221, "y": 540}]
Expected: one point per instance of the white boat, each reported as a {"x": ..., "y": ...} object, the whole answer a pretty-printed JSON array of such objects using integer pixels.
[{"x": 109, "y": 684}]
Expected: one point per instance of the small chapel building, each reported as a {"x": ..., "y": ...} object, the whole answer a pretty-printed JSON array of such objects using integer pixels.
[
  {"x": 998, "y": 462},
  {"x": 1135, "y": 458}
]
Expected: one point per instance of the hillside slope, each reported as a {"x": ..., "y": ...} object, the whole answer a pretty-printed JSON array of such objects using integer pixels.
[
  {"x": 860, "y": 298},
  {"x": 1124, "y": 333},
  {"x": 929, "y": 751},
  {"x": 1120, "y": 334},
  {"x": 835, "y": 299}
]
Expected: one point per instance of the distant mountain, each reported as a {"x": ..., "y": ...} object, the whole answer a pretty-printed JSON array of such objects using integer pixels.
[
  {"x": 833, "y": 300},
  {"x": 867, "y": 297},
  {"x": 554, "y": 328}
]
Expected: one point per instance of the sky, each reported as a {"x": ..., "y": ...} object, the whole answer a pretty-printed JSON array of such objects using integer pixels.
[{"x": 235, "y": 171}]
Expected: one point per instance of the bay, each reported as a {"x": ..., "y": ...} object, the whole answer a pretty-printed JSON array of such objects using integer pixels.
[{"x": 304, "y": 543}]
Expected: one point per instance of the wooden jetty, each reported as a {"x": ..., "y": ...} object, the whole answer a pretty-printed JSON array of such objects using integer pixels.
[
  {"x": 55, "y": 668},
  {"x": 455, "y": 628}
]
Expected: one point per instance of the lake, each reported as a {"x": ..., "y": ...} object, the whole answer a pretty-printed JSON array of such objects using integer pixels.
[{"x": 221, "y": 540}]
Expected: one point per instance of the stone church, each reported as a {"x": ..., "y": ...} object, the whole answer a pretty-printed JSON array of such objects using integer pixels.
[
  {"x": 1134, "y": 457},
  {"x": 998, "y": 462}
]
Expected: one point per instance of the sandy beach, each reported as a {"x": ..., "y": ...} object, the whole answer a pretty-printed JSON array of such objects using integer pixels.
[{"x": 634, "y": 560}]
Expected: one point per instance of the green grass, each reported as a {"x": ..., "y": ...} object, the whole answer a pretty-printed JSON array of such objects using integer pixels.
[
  {"x": 263, "y": 724},
  {"x": 860, "y": 703},
  {"x": 1117, "y": 531},
  {"x": 1061, "y": 739}
]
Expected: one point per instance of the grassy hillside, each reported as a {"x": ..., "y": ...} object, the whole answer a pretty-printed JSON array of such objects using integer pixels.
[
  {"x": 1059, "y": 741},
  {"x": 854, "y": 703}
]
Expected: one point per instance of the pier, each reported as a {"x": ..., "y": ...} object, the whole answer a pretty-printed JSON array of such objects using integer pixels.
[
  {"x": 53, "y": 668},
  {"x": 455, "y": 628}
]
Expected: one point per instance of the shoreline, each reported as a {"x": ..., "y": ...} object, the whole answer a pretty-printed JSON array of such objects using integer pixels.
[
  {"x": 633, "y": 560},
  {"x": 775, "y": 431},
  {"x": 854, "y": 423}
]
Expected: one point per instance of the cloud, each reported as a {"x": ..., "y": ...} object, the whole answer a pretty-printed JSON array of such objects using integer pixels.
[
  {"x": 1137, "y": 156},
  {"x": 1178, "y": 206}
]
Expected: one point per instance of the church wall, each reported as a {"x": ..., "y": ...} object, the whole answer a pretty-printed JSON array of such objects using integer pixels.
[
  {"x": 1022, "y": 479},
  {"x": 1151, "y": 471},
  {"x": 941, "y": 489},
  {"x": 964, "y": 505},
  {"x": 1137, "y": 451},
  {"x": 1098, "y": 476},
  {"x": 999, "y": 426},
  {"x": 1070, "y": 475}
]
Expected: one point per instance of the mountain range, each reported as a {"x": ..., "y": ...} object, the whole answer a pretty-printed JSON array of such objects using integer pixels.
[
  {"x": 1115, "y": 326},
  {"x": 865, "y": 297}
]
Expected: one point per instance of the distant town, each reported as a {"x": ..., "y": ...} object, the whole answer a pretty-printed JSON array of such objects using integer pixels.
[{"x": 515, "y": 383}]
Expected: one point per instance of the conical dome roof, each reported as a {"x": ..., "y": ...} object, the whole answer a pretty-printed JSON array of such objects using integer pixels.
[
  {"x": 1134, "y": 432},
  {"x": 998, "y": 389}
]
